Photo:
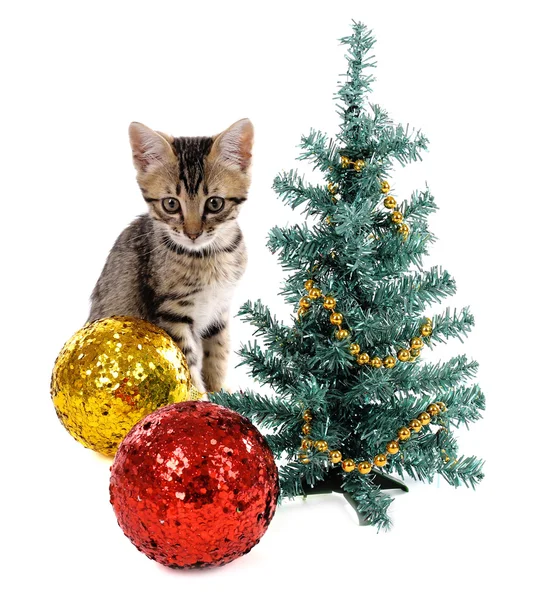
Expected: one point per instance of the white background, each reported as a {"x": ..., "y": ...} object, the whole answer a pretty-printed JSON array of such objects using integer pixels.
[{"x": 73, "y": 76}]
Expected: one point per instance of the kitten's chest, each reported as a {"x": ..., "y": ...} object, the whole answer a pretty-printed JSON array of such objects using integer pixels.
[
  {"x": 218, "y": 272},
  {"x": 211, "y": 305},
  {"x": 203, "y": 286}
]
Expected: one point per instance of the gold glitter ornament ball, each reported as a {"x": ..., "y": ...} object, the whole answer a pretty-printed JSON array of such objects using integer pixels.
[{"x": 112, "y": 373}]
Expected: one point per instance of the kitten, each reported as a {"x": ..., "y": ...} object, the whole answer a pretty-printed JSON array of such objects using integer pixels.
[{"x": 178, "y": 265}]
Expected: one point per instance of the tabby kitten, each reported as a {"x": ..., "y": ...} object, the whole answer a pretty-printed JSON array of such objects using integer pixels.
[{"x": 178, "y": 265}]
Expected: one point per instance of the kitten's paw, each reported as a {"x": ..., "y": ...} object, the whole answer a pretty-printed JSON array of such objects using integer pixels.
[{"x": 198, "y": 390}]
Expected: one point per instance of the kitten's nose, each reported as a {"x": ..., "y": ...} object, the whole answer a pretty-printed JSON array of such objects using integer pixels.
[{"x": 193, "y": 235}]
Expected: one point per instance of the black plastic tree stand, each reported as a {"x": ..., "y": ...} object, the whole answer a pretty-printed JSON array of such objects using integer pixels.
[{"x": 333, "y": 482}]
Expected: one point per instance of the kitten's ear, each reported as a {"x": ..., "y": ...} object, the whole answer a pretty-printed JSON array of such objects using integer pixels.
[
  {"x": 149, "y": 148},
  {"x": 234, "y": 145}
]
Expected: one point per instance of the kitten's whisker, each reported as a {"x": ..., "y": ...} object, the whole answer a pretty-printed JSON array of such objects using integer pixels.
[
  {"x": 137, "y": 237},
  {"x": 155, "y": 248}
]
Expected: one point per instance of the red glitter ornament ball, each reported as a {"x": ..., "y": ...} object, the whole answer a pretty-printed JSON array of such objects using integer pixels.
[{"x": 194, "y": 484}]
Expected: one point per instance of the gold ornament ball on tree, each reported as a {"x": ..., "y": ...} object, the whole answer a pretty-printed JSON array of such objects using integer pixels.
[
  {"x": 403, "y": 355},
  {"x": 364, "y": 467},
  {"x": 416, "y": 343},
  {"x": 376, "y": 362},
  {"x": 403, "y": 433},
  {"x": 389, "y": 362},
  {"x": 404, "y": 229},
  {"x": 397, "y": 217},
  {"x": 381, "y": 460},
  {"x": 415, "y": 425},
  {"x": 348, "y": 465},
  {"x": 392, "y": 447},
  {"x": 329, "y": 303},
  {"x": 305, "y": 302},
  {"x": 321, "y": 445},
  {"x": 426, "y": 329},
  {"x": 389, "y": 202},
  {"x": 112, "y": 373},
  {"x": 305, "y": 444},
  {"x": 336, "y": 318},
  {"x": 363, "y": 358},
  {"x": 424, "y": 418},
  {"x": 433, "y": 409},
  {"x": 335, "y": 456}
]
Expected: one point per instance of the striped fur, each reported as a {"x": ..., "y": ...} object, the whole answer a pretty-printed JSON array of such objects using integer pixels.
[{"x": 179, "y": 269}]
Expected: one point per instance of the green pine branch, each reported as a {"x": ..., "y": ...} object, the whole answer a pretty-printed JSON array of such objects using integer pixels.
[
  {"x": 413, "y": 292},
  {"x": 265, "y": 366},
  {"x": 419, "y": 207},
  {"x": 466, "y": 471},
  {"x": 319, "y": 150},
  {"x": 261, "y": 318},
  {"x": 452, "y": 324},
  {"x": 431, "y": 378},
  {"x": 290, "y": 479},
  {"x": 294, "y": 192},
  {"x": 353, "y": 91},
  {"x": 284, "y": 442},
  {"x": 372, "y": 502},
  {"x": 465, "y": 404},
  {"x": 296, "y": 245},
  {"x": 265, "y": 411}
]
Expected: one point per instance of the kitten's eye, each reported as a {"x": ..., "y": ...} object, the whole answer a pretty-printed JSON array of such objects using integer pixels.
[
  {"x": 214, "y": 204},
  {"x": 171, "y": 205}
]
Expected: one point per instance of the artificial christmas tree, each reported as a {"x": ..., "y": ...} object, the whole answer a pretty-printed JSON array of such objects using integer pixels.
[{"x": 354, "y": 400}]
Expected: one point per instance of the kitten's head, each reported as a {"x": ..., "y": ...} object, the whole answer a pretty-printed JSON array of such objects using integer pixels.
[{"x": 194, "y": 186}]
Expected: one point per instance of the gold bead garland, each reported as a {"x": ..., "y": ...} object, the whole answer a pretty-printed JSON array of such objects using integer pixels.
[
  {"x": 397, "y": 216},
  {"x": 358, "y": 164},
  {"x": 380, "y": 460},
  {"x": 362, "y": 358},
  {"x": 333, "y": 189},
  {"x": 389, "y": 201}
]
